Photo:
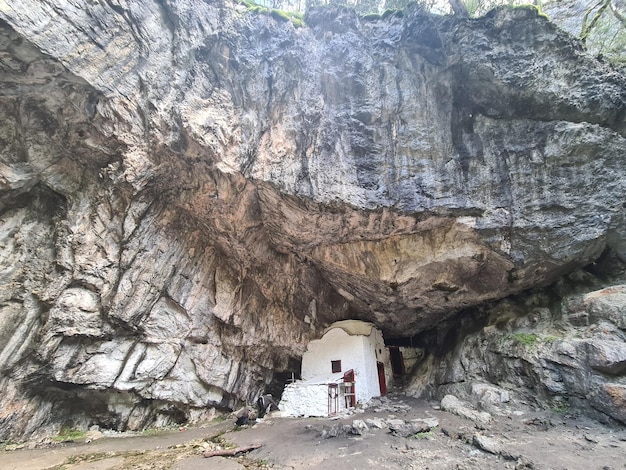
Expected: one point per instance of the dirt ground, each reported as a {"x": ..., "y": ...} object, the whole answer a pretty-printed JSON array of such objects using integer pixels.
[{"x": 544, "y": 440}]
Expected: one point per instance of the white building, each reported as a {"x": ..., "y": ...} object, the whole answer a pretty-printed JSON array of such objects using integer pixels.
[{"x": 348, "y": 365}]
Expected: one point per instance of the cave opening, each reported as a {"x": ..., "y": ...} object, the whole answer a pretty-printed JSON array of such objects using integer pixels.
[
  {"x": 397, "y": 362},
  {"x": 405, "y": 355},
  {"x": 282, "y": 377}
]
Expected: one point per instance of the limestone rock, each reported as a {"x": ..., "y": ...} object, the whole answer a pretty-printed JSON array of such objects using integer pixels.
[
  {"x": 487, "y": 444},
  {"x": 402, "y": 428},
  {"x": 454, "y": 405},
  {"x": 607, "y": 356},
  {"x": 359, "y": 427},
  {"x": 581, "y": 369},
  {"x": 377, "y": 423},
  {"x": 607, "y": 304},
  {"x": 190, "y": 192}
]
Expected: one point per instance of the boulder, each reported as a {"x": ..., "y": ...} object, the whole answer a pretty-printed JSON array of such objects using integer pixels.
[{"x": 453, "y": 405}]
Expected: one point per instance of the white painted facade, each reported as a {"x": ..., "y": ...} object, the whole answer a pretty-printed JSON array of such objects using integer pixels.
[
  {"x": 359, "y": 346},
  {"x": 310, "y": 398}
]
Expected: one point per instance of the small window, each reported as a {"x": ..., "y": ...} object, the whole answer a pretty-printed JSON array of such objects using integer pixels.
[{"x": 336, "y": 366}]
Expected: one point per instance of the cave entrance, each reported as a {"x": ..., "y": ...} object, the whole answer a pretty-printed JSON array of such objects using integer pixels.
[
  {"x": 282, "y": 377},
  {"x": 397, "y": 362},
  {"x": 404, "y": 357}
]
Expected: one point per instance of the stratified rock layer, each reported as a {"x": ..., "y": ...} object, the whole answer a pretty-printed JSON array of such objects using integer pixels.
[{"x": 191, "y": 191}]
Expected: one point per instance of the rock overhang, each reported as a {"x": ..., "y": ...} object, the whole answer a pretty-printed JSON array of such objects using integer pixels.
[{"x": 264, "y": 185}]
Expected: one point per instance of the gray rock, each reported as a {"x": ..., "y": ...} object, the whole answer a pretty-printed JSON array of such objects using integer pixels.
[
  {"x": 377, "y": 423},
  {"x": 183, "y": 184},
  {"x": 359, "y": 427},
  {"x": 487, "y": 444},
  {"x": 607, "y": 304},
  {"x": 607, "y": 356},
  {"x": 453, "y": 405},
  {"x": 408, "y": 428},
  {"x": 569, "y": 367}
]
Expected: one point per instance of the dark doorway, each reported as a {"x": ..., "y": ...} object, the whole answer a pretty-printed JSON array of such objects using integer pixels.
[
  {"x": 381, "y": 379},
  {"x": 397, "y": 361}
]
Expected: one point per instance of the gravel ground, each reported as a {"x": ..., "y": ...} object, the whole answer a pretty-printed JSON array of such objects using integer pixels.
[{"x": 381, "y": 436}]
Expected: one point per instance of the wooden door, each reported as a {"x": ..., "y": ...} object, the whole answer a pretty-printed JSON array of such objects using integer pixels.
[{"x": 381, "y": 379}]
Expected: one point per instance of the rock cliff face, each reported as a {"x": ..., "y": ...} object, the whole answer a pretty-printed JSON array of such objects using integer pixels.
[
  {"x": 191, "y": 192},
  {"x": 540, "y": 351}
]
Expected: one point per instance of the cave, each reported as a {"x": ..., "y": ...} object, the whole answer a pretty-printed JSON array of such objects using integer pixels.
[{"x": 192, "y": 192}]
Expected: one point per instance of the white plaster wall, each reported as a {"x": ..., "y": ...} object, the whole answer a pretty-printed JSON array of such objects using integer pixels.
[
  {"x": 376, "y": 344},
  {"x": 334, "y": 345},
  {"x": 357, "y": 352},
  {"x": 301, "y": 399}
]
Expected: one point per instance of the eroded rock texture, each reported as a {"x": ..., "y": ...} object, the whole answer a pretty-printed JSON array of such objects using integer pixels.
[
  {"x": 190, "y": 192},
  {"x": 569, "y": 355}
]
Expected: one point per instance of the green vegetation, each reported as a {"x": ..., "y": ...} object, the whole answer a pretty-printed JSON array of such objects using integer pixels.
[
  {"x": 603, "y": 31},
  {"x": 153, "y": 431},
  {"x": 280, "y": 15},
  {"x": 386, "y": 14},
  {"x": 424, "y": 435},
  {"x": 296, "y": 18},
  {"x": 537, "y": 8},
  {"x": 10, "y": 445},
  {"x": 67, "y": 435},
  {"x": 603, "y": 24},
  {"x": 474, "y": 7},
  {"x": 560, "y": 407},
  {"x": 371, "y": 17},
  {"x": 526, "y": 339},
  {"x": 390, "y": 12}
]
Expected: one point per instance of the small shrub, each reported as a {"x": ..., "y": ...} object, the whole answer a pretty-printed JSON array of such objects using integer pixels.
[
  {"x": 153, "y": 431},
  {"x": 526, "y": 339},
  {"x": 68, "y": 434},
  {"x": 280, "y": 15},
  {"x": 391, "y": 12},
  {"x": 221, "y": 441},
  {"x": 560, "y": 407},
  {"x": 297, "y": 19}
]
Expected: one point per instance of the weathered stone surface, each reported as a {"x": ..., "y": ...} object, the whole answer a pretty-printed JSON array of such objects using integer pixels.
[
  {"x": 189, "y": 192},
  {"x": 487, "y": 444},
  {"x": 454, "y": 405},
  {"x": 557, "y": 363},
  {"x": 403, "y": 428},
  {"x": 607, "y": 304}
]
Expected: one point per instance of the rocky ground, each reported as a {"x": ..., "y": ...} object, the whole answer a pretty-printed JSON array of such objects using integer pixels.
[
  {"x": 192, "y": 191},
  {"x": 397, "y": 432}
]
